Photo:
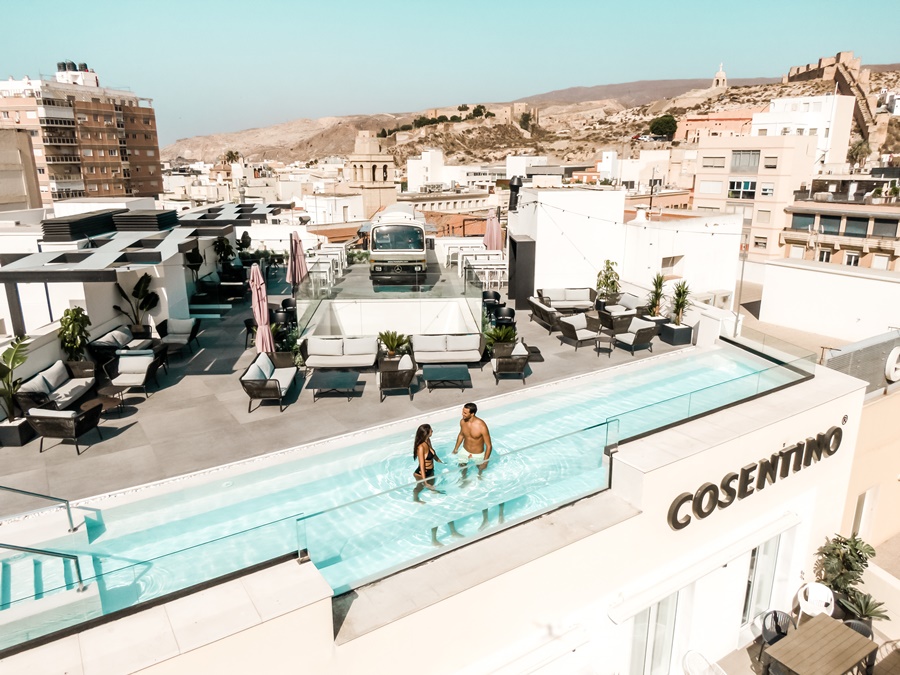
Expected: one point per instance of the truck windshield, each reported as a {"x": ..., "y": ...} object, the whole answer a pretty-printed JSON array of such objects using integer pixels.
[{"x": 398, "y": 237}]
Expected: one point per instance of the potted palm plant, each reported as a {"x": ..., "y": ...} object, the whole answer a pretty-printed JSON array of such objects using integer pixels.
[
  {"x": 863, "y": 607},
  {"x": 224, "y": 251},
  {"x": 141, "y": 301},
  {"x": 675, "y": 332},
  {"x": 393, "y": 342},
  {"x": 13, "y": 432},
  {"x": 655, "y": 300},
  {"x": 607, "y": 284},
  {"x": 840, "y": 563},
  {"x": 500, "y": 340}
]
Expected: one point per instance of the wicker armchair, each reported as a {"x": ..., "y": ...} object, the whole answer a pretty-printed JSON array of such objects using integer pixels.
[
  {"x": 176, "y": 333},
  {"x": 135, "y": 369},
  {"x": 580, "y": 328},
  {"x": 64, "y": 424},
  {"x": 397, "y": 375},
  {"x": 269, "y": 377}
]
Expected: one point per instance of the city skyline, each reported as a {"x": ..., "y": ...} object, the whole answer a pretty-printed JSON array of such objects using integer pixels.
[{"x": 215, "y": 68}]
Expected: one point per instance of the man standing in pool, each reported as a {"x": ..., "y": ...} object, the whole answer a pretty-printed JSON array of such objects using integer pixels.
[{"x": 475, "y": 438}]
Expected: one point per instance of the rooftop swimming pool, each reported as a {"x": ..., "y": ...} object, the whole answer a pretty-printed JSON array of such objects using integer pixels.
[{"x": 351, "y": 508}]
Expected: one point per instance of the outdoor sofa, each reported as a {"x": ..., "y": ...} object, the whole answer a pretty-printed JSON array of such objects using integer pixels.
[
  {"x": 58, "y": 387},
  {"x": 465, "y": 348},
  {"x": 340, "y": 352},
  {"x": 628, "y": 303},
  {"x": 568, "y": 300},
  {"x": 104, "y": 348},
  {"x": 64, "y": 424},
  {"x": 270, "y": 376},
  {"x": 548, "y": 316}
]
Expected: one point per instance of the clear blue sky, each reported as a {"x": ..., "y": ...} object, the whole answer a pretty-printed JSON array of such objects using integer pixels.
[{"x": 222, "y": 65}]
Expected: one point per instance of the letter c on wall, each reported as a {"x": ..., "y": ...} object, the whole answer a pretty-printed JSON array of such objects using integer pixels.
[
  {"x": 892, "y": 366},
  {"x": 675, "y": 522}
]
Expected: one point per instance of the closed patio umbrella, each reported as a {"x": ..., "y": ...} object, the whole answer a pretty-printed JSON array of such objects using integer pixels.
[
  {"x": 493, "y": 237},
  {"x": 297, "y": 269},
  {"x": 260, "y": 303}
]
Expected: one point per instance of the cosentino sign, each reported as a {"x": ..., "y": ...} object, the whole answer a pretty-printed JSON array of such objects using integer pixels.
[{"x": 752, "y": 478}]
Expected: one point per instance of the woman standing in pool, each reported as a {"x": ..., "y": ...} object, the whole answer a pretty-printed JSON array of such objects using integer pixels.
[{"x": 425, "y": 457}]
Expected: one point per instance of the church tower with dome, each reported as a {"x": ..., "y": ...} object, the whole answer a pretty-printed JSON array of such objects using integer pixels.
[{"x": 720, "y": 80}]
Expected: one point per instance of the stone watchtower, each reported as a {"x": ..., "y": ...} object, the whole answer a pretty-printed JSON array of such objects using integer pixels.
[{"x": 720, "y": 80}]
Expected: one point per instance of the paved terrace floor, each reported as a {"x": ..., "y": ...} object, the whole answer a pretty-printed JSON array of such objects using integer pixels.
[{"x": 198, "y": 417}]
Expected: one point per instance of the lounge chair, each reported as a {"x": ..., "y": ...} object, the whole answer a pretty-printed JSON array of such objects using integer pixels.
[
  {"x": 176, "y": 333},
  {"x": 64, "y": 424},
  {"x": 134, "y": 369},
  {"x": 546, "y": 315},
  {"x": 269, "y": 377},
  {"x": 639, "y": 334},
  {"x": 579, "y": 328},
  {"x": 397, "y": 375},
  {"x": 513, "y": 365}
]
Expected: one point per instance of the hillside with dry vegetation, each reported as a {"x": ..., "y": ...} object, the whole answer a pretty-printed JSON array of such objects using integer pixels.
[{"x": 573, "y": 131}]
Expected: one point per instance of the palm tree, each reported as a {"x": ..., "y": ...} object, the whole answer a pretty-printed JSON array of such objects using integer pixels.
[{"x": 232, "y": 157}]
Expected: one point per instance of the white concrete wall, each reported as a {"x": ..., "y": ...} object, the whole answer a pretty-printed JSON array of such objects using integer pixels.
[
  {"x": 848, "y": 303},
  {"x": 696, "y": 240},
  {"x": 72, "y": 208},
  {"x": 516, "y": 164},
  {"x": 370, "y": 317}
]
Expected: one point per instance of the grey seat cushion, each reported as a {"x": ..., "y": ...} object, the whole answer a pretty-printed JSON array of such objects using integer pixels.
[
  {"x": 448, "y": 357},
  {"x": 285, "y": 377},
  {"x": 343, "y": 361},
  {"x": 129, "y": 380},
  {"x": 71, "y": 391}
]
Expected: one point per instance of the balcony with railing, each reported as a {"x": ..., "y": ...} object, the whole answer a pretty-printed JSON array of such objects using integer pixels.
[
  {"x": 56, "y": 122},
  {"x": 63, "y": 159},
  {"x": 67, "y": 194},
  {"x": 60, "y": 140}
]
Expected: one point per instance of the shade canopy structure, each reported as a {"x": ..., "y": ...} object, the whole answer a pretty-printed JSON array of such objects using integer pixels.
[
  {"x": 297, "y": 268},
  {"x": 493, "y": 236},
  {"x": 260, "y": 303}
]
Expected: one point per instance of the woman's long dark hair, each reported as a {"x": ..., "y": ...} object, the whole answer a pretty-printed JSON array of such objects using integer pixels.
[{"x": 421, "y": 434}]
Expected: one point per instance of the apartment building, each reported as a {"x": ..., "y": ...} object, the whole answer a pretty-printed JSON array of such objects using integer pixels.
[
  {"x": 828, "y": 118},
  {"x": 18, "y": 178},
  {"x": 88, "y": 140},
  {"x": 754, "y": 176},
  {"x": 840, "y": 231}
]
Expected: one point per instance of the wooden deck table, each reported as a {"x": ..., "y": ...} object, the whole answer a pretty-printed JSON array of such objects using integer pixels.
[{"x": 821, "y": 646}]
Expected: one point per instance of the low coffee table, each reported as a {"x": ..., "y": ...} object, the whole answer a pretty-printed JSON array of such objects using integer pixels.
[
  {"x": 449, "y": 374},
  {"x": 337, "y": 381},
  {"x": 107, "y": 403}
]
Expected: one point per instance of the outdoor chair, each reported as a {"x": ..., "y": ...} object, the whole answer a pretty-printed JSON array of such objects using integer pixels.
[
  {"x": 775, "y": 625},
  {"x": 639, "y": 334},
  {"x": 135, "y": 369},
  {"x": 617, "y": 323},
  {"x": 289, "y": 304},
  {"x": 64, "y": 424},
  {"x": 579, "y": 328},
  {"x": 505, "y": 316},
  {"x": 815, "y": 598},
  {"x": 513, "y": 365},
  {"x": 491, "y": 302},
  {"x": 546, "y": 315},
  {"x": 865, "y": 631},
  {"x": 888, "y": 657},
  {"x": 694, "y": 663},
  {"x": 250, "y": 327},
  {"x": 176, "y": 333},
  {"x": 269, "y": 377},
  {"x": 394, "y": 379}
]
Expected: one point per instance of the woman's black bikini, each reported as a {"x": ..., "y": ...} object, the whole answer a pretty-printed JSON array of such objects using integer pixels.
[{"x": 429, "y": 472}]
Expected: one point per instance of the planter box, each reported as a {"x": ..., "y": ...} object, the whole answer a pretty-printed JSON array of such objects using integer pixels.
[
  {"x": 676, "y": 335},
  {"x": 15, "y": 434}
]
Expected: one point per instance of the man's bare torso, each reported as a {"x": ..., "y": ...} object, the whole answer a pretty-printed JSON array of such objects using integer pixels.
[{"x": 473, "y": 431}]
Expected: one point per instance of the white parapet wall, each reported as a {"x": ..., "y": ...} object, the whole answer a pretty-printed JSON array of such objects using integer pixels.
[
  {"x": 370, "y": 317},
  {"x": 848, "y": 303}
]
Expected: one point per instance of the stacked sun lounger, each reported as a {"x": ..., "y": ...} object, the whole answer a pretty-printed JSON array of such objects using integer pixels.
[{"x": 143, "y": 221}]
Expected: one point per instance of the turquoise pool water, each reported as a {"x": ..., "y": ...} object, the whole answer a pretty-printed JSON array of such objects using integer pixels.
[{"x": 352, "y": 508}]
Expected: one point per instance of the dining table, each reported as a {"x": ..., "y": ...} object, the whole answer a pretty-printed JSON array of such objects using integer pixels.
[{"x": 821, "y": 646}]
